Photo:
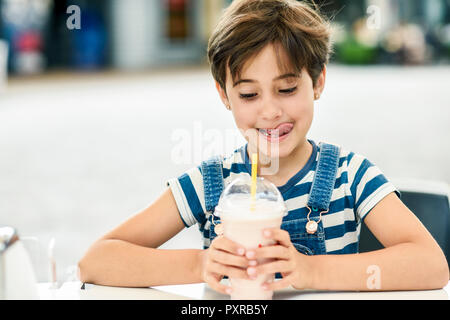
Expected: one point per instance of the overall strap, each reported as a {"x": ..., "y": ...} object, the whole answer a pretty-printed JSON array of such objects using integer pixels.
[
  {"x": 324, "y": 178},
  {"x": 212, "y": 173},
  {"x": 321, "y": 190}
]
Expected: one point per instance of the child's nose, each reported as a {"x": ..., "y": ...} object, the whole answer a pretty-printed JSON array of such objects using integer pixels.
[{"x": 270, "y": 111}]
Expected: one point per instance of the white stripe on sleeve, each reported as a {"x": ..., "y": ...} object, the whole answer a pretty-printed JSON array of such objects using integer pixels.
[{"x": 182, "y": 203}]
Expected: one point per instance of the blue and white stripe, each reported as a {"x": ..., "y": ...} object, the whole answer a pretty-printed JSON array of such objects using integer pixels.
[{"x": 359, "y": 186}]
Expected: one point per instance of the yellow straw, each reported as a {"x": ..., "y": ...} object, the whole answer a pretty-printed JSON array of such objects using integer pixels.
[{"x": 254, "y": 175}]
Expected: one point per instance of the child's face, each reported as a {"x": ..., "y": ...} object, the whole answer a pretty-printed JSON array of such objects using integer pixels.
[{"x": 266, "y": 103}]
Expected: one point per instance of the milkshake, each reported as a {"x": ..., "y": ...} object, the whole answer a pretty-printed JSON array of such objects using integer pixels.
[{"x": 244, "y": 218}]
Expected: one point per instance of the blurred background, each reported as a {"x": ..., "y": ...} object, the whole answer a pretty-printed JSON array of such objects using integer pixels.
[{"x": 97, "y": 96}]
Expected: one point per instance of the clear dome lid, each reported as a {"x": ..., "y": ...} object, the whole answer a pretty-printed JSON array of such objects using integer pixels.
[{"x": 236, "y": 199}]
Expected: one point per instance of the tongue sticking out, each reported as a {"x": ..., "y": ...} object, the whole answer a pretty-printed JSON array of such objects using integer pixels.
[{"x": 282, "y": 129}]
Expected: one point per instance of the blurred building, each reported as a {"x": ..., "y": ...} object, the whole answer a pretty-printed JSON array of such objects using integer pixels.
[
  {"x": 391, "y": 31},
  {"x": 146, "y": 34},
  {"x": 115, "y": 33}
]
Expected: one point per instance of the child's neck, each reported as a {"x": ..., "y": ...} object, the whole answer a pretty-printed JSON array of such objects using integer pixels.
[{"x": 290, "y": 165}]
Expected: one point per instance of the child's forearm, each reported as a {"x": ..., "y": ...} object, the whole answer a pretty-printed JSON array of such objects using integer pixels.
[
  {"x": 406, "y": 266},
  {"x": 120, "y": 263}
]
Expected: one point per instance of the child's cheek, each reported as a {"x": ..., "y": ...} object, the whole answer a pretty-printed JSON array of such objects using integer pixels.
[
  {"x": 300, "y": 111},
  {"x": 244, "y": 120}
]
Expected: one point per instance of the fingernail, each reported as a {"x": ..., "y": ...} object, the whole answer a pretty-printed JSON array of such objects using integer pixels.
[
  {"x": 229, "y": 290},
  {"x": 253, "y": 263},
  {"x": 265, "y": 287},
  {"x": 267, "y": 233},
  {"x": 241, "y": 251},
  {"x": 250, "y": 254}
]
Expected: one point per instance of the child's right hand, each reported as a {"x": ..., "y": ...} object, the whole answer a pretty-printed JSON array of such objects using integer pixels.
[{"x": 224, "y": 258}]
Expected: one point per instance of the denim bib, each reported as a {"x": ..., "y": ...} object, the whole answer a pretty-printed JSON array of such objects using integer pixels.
[{"x": 318, "y": 201}]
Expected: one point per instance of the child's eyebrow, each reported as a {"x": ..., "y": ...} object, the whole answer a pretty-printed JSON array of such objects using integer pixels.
[{"x": 284, "y": 76}]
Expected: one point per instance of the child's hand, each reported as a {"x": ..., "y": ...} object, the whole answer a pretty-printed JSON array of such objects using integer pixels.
[
  {"x": 224, "y": 258},
  {"x": 288, "y": 261}
]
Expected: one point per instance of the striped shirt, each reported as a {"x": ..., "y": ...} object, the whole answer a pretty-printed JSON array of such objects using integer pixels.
[{"x": 359, "y": 186}]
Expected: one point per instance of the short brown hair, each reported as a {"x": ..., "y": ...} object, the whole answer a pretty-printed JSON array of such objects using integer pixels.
[{"x": 247, "y": 26}]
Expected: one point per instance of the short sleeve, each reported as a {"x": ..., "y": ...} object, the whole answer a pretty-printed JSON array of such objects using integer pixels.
[
  {"x": 187, "y": 190},
  {"x": 368, "y": 185}
]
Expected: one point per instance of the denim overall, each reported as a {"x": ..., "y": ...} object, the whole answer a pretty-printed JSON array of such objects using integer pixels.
[{"x": 318, "y": 201}]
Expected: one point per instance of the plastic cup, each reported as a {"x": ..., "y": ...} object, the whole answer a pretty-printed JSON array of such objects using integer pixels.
[{"x": 245, "y": 226}]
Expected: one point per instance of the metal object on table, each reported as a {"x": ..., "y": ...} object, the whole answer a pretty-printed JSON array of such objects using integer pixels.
[{"x": 17, "y": 278}]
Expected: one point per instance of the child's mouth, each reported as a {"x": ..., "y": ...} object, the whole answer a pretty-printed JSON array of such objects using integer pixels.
[{"x": 278, "y": 134}]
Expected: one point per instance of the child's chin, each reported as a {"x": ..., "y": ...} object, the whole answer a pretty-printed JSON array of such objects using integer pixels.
[{"x": 274, "y": 151}]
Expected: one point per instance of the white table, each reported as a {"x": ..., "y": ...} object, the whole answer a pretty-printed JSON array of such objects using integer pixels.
[{"x": 73, "y": 291}]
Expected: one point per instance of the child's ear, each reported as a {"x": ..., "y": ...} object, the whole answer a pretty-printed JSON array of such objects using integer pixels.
[
  {"x": 223, "y": 95},
  {"x": 320, "y": 84}
]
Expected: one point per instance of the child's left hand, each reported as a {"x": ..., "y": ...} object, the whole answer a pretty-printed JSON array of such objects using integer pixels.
[{"x": 288, "y": 261}]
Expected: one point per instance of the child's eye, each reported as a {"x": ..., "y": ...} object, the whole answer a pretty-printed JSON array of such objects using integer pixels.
[
  {"x": 291, "y": 90},
  {"x": 247, "y": 96},
  {"x": 252, "y": 95}
]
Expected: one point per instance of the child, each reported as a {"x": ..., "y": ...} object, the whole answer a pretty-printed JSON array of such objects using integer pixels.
[{"x": 268, "y": 58}]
